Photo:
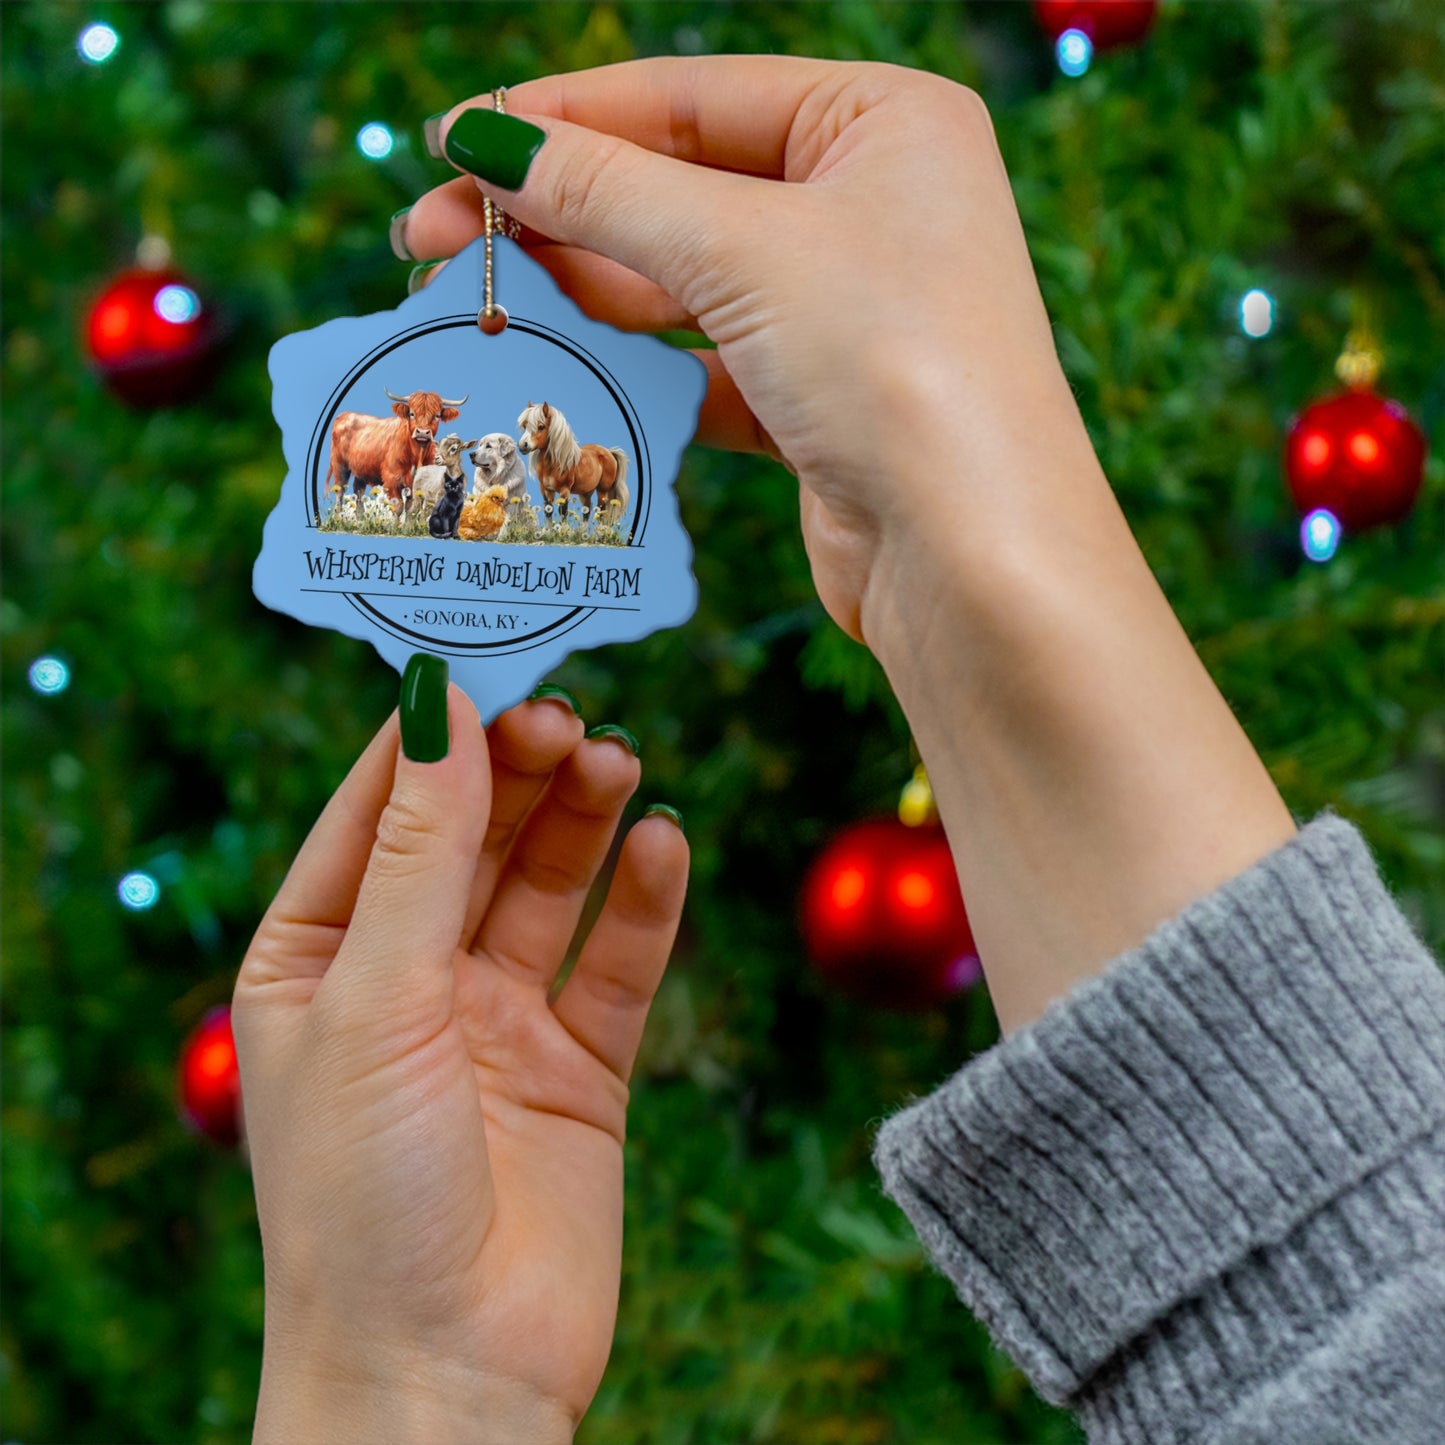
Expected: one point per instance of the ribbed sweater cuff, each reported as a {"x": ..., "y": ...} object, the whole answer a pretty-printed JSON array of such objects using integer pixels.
[{"x": 1217, "y": 1106}]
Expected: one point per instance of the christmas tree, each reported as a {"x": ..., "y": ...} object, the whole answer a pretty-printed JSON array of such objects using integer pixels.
[{"x": 168, "y": 742}]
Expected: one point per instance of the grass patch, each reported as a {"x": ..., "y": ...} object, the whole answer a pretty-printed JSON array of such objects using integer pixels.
[{"x": 527, "y": 527}]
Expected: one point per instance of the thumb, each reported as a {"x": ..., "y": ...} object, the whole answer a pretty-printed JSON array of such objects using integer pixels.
[
  {"x": 395, "y": 962},
  {"x": 664, "y": 218}
]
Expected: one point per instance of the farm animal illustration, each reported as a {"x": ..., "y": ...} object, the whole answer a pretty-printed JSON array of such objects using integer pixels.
[
  {"x": 420, "y": 498},
  {"x": 565, "y": 467},
  {"x": 484, "y": 518},
  {"x": 448, "y": 511},
  {"x": 386, "y": 451},
  {"x": 498, "y": 464}
]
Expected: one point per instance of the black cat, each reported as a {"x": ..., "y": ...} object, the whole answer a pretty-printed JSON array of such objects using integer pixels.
[{"x": 448, "y": 511}]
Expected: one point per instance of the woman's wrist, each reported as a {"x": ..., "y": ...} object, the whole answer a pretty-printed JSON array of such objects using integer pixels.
[
  {"x": 403, "y": 1399},
  {"x": 1092, "y": 779}
]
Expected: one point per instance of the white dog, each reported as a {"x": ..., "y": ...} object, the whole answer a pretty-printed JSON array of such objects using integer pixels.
[{"x": 499, "y": 464}]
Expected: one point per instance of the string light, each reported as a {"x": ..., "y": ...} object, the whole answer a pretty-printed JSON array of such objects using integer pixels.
[
  {"x": 177, "y": 304},
  {"x": 375, "y": 141},
  {"x": 1256, "y": 313},
  {"x": 1319, "y": 535},
  {"x": 97, "y": 44},
  {"x": 138, "y": 891},
  {"x": 49, "y": 675},
  {"x": 1074, "y": 52}
]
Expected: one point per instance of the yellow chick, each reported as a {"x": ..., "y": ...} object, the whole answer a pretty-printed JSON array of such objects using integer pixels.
[{"x": 484, "y": 516}]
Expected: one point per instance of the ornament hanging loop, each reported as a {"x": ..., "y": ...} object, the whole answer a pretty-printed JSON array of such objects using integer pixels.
[{"x": 492, "y": 319}]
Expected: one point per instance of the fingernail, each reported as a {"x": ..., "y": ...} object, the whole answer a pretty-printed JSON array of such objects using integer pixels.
[
  {"x": 613, "y": 730},
  {"x": 550, "y": 689},
  {"x": 498, "y": 148},
  {"x": 416, "y": 279},
  {"x": 424, "y": 733},
  {"x": 396, "y": 234},
  {"x": 431, "y": 133},
  {"x": 663, "y": 810}
]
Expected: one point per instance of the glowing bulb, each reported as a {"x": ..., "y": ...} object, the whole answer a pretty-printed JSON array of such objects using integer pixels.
[
  {"x": 216, "y": 1059},
  {"x": 97, "y": 44},
  {"x": 177, "y": 304},
  {"x": 1364, "y": 448},
  {"x": 1319, "y": 535},
  {"x": 375, "y": 141},
  {"x": 1074, "y": 50},
  {"x": 138, "y": 891},
  {"x": 1256, "y": 313},
  {"x": 49, "y": 675},
  {"x": 848, "y": 888},
  {"x": 914, "y": 890},
  {"x": 1315, "y": 449}
]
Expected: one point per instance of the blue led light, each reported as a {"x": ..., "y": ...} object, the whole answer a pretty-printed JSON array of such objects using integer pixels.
[
  {"x": 375, "y": 141},
  {"x": 1074, "y": 51},
  {"x": 177, "y": 304},
  {"x": 1319, "y": 535},
  {"x": 1256, "y": 313},
  {"x": 97, "y": 44},
  {"x": 49, "y": 675},
  {"x": 138, "y": 891}
]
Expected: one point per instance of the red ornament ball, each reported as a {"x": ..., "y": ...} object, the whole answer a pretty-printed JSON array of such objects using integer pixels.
[
  {"x": 883, "y": 918},
  {"x": 1357, "y": 455},
  {"x": 210, "y": 1081},
  {"x": 152, "y": 338},
  {"x": 1107, "y": 23}
]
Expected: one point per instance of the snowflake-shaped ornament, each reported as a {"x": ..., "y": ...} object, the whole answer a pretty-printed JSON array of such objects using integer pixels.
[{"x": 546, "y": 454}]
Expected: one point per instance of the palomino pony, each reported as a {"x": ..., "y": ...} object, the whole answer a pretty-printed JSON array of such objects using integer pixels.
[{"x": 563, "y": 466}]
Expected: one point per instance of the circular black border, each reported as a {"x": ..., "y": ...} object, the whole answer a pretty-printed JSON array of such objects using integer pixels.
[{"x": 610, "y": 384}]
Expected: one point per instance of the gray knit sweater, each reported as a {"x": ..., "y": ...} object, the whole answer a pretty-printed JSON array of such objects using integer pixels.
[{"x": 1202, "y": 1199}]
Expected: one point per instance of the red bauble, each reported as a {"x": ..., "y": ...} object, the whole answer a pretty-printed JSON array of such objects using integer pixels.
[
  {"x": 152, "y": 338},
  {"x": 883, "y": 917},
  {"x": 210, "y": 1081},
  {"x": 1357, "y": 455},
  {"x": 1107, "y": 23}
]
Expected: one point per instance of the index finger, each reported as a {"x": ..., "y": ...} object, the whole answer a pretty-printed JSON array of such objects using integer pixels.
[{"x": 746, "y": 113}]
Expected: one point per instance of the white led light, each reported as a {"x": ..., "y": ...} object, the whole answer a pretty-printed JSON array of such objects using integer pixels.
[
  {"x": 375, "y": 141},
  {"x": 177, "y": 304},
  {"x": 1256, "y": 313},
  {"x": 1319, "y": 535},
  {"x": 1074, "y": 51},
  {"x": 138, "y": 891},
  {"x": 97, "y": 43},
  {"x": 49, "y": 675}
]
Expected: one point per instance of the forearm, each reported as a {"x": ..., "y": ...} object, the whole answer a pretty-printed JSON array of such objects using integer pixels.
[
  {"x": 1090, "y": 776},
  {"x": 302, "y": 1400}
]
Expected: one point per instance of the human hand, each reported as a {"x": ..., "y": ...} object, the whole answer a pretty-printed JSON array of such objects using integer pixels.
[
  {"x": 877, "y": 319},
  {"x": 437, "y": 1150}
]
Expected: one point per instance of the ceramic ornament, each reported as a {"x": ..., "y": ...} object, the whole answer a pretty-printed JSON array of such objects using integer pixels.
[{"x": 498, "y": 500}]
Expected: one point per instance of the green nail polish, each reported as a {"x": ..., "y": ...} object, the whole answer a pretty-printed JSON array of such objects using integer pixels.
[
  {"x": 431, "y": 134},
  {"x": 613, "y": 730},
  {"x": 663, "y": 810},
  {"x": 415, "y": 278},
  {"x": 550, "y": 689},
  {"x": 396, "y": 234},
  {"x": 498, "y": 148},
  {"x": 424, "y": 734}
]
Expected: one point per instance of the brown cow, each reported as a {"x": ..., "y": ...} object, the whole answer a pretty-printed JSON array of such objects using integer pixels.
[{"x": 385, "y": 451}]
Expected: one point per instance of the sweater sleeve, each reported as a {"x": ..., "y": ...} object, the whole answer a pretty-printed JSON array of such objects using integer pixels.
[{"x": 1202, "y": 1198}]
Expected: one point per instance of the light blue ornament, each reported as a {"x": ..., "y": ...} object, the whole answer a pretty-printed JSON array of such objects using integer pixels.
[{"x": 378, "y": 535}]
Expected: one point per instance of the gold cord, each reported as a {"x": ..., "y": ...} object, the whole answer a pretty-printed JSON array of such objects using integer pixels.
[{"x": 494, "y": 220}]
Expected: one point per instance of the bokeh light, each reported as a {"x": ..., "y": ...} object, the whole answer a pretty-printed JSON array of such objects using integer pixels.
[
  {"x": 375, "y": 141},
  {"x": 1256, "y": 313},
  {"x": 1319, "y": 535},
  {"x": 97, "y": 44},
  {"x": 177, "y": 304},
  {"x": 49, "y": 675},
  {"x": 138, "y": 891},
  {"x": 1074, "y": 51}
]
